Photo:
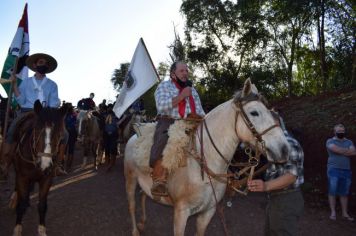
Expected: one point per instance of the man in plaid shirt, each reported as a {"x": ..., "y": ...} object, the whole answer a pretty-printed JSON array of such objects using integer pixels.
[
  {"x": 285, "y": 200},
  {"x": 175, "y": 99}
]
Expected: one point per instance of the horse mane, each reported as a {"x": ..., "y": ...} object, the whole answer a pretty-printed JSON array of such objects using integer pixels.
[
  {"x": 38, "y": 120},
  {"x": 25, "y": 124}
]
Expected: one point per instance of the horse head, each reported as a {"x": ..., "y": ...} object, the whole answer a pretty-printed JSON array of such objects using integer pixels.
[
  {"x": 39, "y": 134},
  {"x": 256, "y": 126}
]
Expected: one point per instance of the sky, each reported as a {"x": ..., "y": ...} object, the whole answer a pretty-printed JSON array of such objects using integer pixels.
[{"x": 91, "y": 38}]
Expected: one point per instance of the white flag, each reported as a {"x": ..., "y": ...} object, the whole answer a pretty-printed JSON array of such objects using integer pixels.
[{"x": 140, "y": 77}]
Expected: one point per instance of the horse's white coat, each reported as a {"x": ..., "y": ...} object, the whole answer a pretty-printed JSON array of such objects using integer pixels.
[{"x": 190, "y": 194}]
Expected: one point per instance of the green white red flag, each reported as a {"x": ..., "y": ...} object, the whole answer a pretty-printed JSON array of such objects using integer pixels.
[{"x": 19, "y": 48}]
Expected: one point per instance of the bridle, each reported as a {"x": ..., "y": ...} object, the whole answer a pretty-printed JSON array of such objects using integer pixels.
[
  {"x": 250, "y": 165},
  {"x": 35, "y": 138},
  {"x": 240, "y": 103}
]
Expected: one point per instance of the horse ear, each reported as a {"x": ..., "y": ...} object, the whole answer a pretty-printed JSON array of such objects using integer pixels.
[
  {"x": 247, "y": 88},
  {"x": 37, "y": 106}
]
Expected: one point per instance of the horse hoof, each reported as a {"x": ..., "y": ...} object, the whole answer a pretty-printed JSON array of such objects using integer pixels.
[
  {"x": 42, "y": 230},
  {"x": 18, "y": 230},
  {"x": 135, "y": 233},
  {"x": 141, "y": 227}
]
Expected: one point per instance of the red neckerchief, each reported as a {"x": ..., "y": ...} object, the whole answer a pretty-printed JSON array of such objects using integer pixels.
[{"x": 182, "y": 104}]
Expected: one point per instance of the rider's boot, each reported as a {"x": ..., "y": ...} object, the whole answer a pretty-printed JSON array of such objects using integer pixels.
[
  {"x": 6, "y": 158},
  {"x": 59, "y": 169},
  {"x": 159, "y": 177}
]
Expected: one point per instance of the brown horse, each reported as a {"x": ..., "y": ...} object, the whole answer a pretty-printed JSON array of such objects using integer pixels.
[
  {"x": 91, "y": 135},
  {"x": 37, "y": 137}
]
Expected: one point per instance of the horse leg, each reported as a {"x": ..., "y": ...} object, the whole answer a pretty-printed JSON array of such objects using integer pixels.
[
  {"x": 94, "y": 149},
  {"x": 180, "y": 220},
  {"x": 23, "y": 192},
  {"x": 85, "y": 153},
  {"x": 203, "y": 220},
  {"x": 13, "y": 200},
  {"x": 141, "y": 224},
  {"x": 131, "y": 183},
  {"x": 44, "y": 187}
]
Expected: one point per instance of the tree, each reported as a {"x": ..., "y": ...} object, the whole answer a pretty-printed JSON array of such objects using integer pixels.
[
  {"x": 222, "y": 38},
  {"x": 287, "y": 21},
  {"x": 118, "y": 77}
]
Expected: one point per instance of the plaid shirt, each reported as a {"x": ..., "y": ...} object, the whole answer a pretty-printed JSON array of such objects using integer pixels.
[
  {"x": 293, "y": 166},
  {"x": 164, "y": 94}
]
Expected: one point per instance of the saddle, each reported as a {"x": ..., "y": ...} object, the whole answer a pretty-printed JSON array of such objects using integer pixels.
[{"x": 181, "y": 134}]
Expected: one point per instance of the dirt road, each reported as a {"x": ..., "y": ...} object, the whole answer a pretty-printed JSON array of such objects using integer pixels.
[{"x": 89, "y": 202}]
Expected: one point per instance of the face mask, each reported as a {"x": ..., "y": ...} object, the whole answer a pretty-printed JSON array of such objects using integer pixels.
[
  {"x": 42, "y": 69},
  {"x": 340, "y": 135},
  {"x": 182, "y": 84}
]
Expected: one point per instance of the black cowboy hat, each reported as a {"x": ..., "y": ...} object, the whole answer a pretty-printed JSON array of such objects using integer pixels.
[{"x": 31, "y": 60}]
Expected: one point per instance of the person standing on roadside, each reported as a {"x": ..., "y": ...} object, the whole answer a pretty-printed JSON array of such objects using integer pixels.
[
  {"x": 282, "y": 183},
  {"x": 339, "y": 149}
]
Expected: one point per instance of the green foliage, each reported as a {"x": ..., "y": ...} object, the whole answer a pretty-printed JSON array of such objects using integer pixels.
[
  {"x": 149, "y": 101},
  {"x": 119, "y": 75},
  {"x": 286, "y": 47},
  {"x": 273, "y": 42}
]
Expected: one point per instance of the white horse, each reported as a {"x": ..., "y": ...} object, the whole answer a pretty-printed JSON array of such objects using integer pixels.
[{"x": 241, "y": 119}]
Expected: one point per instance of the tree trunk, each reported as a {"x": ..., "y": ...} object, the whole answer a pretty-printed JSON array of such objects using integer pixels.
[{"x": 321, "y": 38}]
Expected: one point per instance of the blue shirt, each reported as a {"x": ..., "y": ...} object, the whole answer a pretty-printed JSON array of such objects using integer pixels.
[
  {"x": 29, "y": 94},
  {"x": 338, "y": 160},
  {"x": 70, "y": 121},
  {"x": 111, "y": 123}
]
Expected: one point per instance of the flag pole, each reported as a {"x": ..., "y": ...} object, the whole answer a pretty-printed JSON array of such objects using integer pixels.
[{"x": 9, "y": 99}]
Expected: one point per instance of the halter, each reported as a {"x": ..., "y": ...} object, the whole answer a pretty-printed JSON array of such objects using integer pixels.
[
  {"x": 33, "y": 143},
  {"x": 253, "y": 161},
  {"x": 241, "y": 102}
]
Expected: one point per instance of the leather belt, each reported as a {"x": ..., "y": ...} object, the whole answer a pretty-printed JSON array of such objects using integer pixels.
[
  {"x": 283, "y": 191},
  {"x": 165, "y": 117}
]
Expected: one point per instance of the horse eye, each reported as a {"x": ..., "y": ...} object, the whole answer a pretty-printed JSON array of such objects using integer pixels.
[{"x": 254, "y": 113}]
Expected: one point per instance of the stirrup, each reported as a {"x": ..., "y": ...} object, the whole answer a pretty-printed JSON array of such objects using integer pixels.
[{"x": 159, "y": 189}]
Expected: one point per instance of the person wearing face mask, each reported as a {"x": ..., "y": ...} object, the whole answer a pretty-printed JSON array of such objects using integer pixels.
[
  {"x": 38, "y": 87},
  {"x": 339, "y": 149},
  {"x": 175, "y": 99},
  {"x": 282, "y": 183}
]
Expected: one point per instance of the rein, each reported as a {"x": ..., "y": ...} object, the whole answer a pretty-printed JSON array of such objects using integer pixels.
[{"x": 253, "y": 161}]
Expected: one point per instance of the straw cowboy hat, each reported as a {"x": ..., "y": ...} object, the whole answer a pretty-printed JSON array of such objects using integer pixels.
[{"x": 31, "y": 60}]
